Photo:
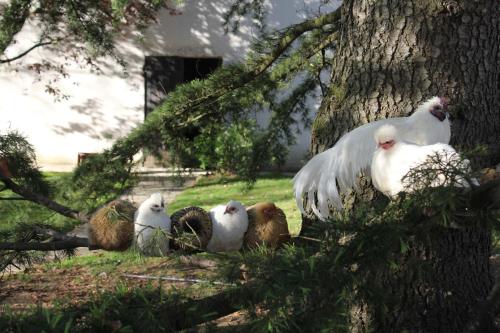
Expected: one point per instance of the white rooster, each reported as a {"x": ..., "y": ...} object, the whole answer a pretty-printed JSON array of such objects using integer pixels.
[
  {"x": 152, "y": 226},
  {"x": 394, "y": 159},
  {"x": 338, "y": 167},
  {"x": 229, "y": 223}
]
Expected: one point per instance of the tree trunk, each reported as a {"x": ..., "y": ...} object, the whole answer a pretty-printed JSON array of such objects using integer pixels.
[
  {"x": 446, "y": 290},
  {"x": 391, "y": 56}
]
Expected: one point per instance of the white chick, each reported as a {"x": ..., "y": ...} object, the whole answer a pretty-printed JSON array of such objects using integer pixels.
[
  {"x": 229, "y": 223},
  {"x": 152, "y": 226}
]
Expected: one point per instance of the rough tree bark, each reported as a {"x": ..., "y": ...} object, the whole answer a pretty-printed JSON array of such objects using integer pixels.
[{"x": 392, "y": 55}]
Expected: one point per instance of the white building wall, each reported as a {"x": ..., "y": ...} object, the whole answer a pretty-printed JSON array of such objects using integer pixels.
[{"x": 103, "y": 107}]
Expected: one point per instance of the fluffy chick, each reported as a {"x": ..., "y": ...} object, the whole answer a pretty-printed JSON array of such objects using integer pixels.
[
  {"x": 152, "y": 226},
  {"x": 229, "y": 223},
  {"x": 267, "y": 226},
  {"x": 112, "y": 226}
]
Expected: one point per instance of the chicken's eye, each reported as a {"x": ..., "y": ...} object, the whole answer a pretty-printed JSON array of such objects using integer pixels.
[
  {"x": 438, "y": 107},
  {"x": 155, "y": 206}
]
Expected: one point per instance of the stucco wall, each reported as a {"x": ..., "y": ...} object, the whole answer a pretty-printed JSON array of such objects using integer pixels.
[{"x": 102, "y": 107}]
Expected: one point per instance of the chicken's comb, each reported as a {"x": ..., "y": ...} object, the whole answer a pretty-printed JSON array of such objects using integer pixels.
[{"x": 444, "y": 101}]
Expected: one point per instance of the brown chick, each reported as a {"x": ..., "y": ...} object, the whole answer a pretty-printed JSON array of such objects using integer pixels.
[
  {"x": 489, "y": 174},
  {"x": 112, "y": 226},
  {"x": 267, "y": 225}
]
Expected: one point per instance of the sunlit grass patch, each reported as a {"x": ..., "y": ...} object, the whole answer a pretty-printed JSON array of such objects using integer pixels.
[{"x": 216, "y": 190}]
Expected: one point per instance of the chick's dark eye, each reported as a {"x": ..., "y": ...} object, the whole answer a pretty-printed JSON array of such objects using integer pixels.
[
  {"x": 438, "y": 107},
  {"x": 155, "y": 206}
]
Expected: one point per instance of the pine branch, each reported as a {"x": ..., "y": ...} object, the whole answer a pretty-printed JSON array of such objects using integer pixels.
[
  {"x": 67, "y": 244},
  {"x": 291, "y": 35},
  {"x": 196, "y": 102},
  {"x": 205, "y": 102},
  {"x": 42, "y": 200},
  {"x": 53, "y": 234},
  {"x": 12, "y": 198}
]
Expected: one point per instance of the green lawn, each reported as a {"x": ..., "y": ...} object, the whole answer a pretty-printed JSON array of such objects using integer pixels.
[
  {"x": 22, "y": 211},
  {"x": 215, "y": 190}
]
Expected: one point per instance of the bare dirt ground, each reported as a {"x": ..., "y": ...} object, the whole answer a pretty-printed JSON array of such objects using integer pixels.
[
  {"x": 43, "y": 285},
  {"x": 46, "y": 286}
]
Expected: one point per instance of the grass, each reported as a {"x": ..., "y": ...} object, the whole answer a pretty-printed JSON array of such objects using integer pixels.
[
  {"x": 105, "y": 261},
  {"x": 21, "y": 211},
  {"x": 216, "y": 190}
]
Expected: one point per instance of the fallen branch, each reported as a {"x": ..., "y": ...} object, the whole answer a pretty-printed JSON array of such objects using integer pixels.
[
  {"x": 67, "y": 244},
  {"x": 176, "y": 279},
  {"x": 53, "y": 234},
  {"x": 13, "y": 199},
  {"x": 42, "y": 200}
]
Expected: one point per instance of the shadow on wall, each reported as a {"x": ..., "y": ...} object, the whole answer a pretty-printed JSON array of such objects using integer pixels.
[
  {"x": 95, "y": 123},
  {"x": 198, "y": 32}
]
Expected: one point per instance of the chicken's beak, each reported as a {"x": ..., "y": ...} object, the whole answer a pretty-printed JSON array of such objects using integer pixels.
[
  {"x": 444, "y": 102},
  {"x": 226, "y": 211}
]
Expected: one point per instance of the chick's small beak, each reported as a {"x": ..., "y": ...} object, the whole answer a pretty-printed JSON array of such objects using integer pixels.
[{"x": 227, "y": 210}]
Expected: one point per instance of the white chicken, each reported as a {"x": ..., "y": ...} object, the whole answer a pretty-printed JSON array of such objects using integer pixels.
[
  {"x": 229, "y": 223},
  {"x": 394, "y": 159},
  {"x": 152, "y": 226},
  {"x": 336, "y": 169}
]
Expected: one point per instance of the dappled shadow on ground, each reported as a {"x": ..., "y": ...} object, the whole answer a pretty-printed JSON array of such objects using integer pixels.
[{"x": 43, "y": 285}]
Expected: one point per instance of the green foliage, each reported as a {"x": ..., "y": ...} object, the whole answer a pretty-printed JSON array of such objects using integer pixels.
[
  {"x": 23, "y": 232},
  {"x": 13, "y": 18},
  {"x": 228, "y": 149},
  {"x": 312, "y": 285},
  {"x": 99, "y": 180},
  {"x": 267, "y": 80},
  {"x": 20, "y": 157},
  {"x": 93, "y": 23},
  {"x": 21, "y": 218}
]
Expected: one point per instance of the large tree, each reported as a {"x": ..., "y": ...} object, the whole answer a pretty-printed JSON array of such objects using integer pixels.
[{"x": 390, "y": 56}]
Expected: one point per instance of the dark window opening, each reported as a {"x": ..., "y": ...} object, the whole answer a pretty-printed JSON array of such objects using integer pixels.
[{"x": 162, "y": 74}]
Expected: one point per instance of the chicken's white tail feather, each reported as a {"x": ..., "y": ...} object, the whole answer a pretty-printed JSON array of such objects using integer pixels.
[
  {"x": 352, "y": 155},
  {"x": 305, "y": 181},
  {"x": 334, "y": 169}
]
